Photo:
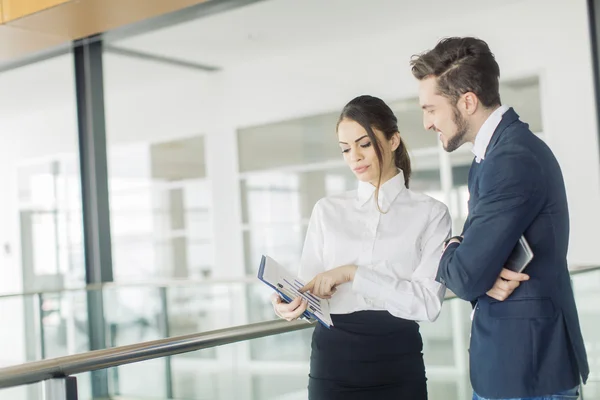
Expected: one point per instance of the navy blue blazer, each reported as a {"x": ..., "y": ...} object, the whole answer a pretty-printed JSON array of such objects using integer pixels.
[{"x": 530, "y": 344}]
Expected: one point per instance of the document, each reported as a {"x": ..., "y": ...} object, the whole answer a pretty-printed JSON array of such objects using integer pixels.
[
  {"x": 520, "y": 257},
  {"x": 288, "y": 286}
]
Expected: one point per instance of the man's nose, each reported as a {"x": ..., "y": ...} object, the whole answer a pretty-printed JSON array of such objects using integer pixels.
[{"x": 427, "y": 123}]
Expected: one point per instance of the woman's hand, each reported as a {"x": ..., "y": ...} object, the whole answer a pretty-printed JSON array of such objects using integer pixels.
[
  {"x": 288, "y": 311},
  {"x": 324, "y": 284}
]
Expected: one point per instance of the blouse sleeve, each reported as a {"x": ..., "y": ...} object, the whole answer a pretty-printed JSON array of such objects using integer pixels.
[
  {"x": 421, "y": 297},
  {"x": 311, "y": 262}
]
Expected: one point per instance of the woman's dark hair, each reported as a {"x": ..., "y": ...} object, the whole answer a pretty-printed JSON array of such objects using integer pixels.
[{"x": 371, "y": 112}]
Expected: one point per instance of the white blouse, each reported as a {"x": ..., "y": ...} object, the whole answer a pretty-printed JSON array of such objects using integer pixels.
[{"x": 397, "y": 253}]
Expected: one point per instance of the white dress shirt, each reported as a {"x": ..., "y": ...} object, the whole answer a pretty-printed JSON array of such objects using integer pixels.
[
  {"x": 397, "y": 253},
  {"x": 482, "y": 140}
]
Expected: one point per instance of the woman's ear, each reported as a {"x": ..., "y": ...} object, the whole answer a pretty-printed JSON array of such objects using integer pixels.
[{"x": 395, "y": 141}]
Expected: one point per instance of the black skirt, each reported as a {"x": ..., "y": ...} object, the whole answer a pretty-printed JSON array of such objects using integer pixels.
[{"x": 367, "y": 355}]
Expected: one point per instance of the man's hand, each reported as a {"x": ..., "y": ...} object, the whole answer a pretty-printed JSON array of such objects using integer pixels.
[
  {"x": 452, "y": 241},
  {"x": 506, "y": 283},
  {"x": 324, "y": 284}
]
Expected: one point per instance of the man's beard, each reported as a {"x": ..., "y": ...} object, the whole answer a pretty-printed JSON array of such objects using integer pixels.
[{"x": 462, "y": 128}]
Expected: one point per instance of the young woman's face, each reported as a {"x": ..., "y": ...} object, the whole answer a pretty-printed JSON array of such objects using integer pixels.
[{"x": 359, "y": 152}]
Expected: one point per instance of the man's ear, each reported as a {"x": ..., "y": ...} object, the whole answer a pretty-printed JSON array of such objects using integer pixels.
[{"x": 469, "y": 102}]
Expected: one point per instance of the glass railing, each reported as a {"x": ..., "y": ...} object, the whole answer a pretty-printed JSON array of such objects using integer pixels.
[
  {"x": 271, "y": 367},
  {"x": 587, "y": 296}
]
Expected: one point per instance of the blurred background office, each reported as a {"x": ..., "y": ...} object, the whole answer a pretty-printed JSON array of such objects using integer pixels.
[{"x": 217, "y": 133}]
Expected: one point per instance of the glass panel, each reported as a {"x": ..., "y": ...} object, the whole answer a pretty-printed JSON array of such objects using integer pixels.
[
  {"x": 284, "y": 197},
  {"x": 438, "y": 343},
  {"x": 294, "y": 142},
  {"x": 243, "y": 370},
  {"x": 42, "y": 181},
  {"x": 587, "y": 297},
  {"x": 190, "y": 382},
  {"x": 133, "y": 315},
  {"x": 160, "y": 195},
  {"x": 54, "y": 325},
  {"x": 140, "y": 314},
  {"x": 273, "y": 197},
  {"x": 281, "y": 242},
  {"x": 277, "y": 208},
  {"x": 445, "y": 344},
  {"x": 160, "y": 214},
  {"x": 524, "y": 95},
  {"x": 41, "y": 193},
  {"x": 201, "y": 309},
  {"x": 280, "y": 386},
  {"x": 445, "y": 352},
  {"x": 147, "y": 379},
  {"x": 410, "y": 124},
  {"x": 293, "y": 346},
  {"x": 65, "y": 323},
  {"x": 461, "y": 161},
  {"x": 21, "y": 393},
  {"x": 426, "y": 176},
  {"x": 19, "y": 312}
]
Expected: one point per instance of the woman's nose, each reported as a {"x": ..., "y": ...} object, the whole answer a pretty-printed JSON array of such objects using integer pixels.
[{"x": 355, "y": 155}]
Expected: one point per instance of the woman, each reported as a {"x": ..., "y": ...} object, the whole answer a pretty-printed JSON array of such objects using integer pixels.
[{"x": 374, "y": 253}]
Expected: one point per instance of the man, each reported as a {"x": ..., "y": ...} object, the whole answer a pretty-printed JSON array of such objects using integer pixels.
[{"x": 526, "y": 342}]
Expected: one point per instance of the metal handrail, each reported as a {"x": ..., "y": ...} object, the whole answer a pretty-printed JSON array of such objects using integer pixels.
[
  {"x": 150, "y": 284},
  {"x": 181, "y": 282},
  {"x": 583, "y": 268},
  {"x": 43, "y": 370},
  {"x": 37, "y": 371}
]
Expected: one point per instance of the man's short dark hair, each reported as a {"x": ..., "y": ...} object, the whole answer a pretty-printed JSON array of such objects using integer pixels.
[{"x": 461, "y": 65}]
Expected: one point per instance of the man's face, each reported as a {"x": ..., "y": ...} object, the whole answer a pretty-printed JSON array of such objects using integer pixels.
[{"x": 440, "y": 115}]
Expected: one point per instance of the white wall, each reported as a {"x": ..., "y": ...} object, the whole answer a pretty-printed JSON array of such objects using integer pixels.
[{"x": 12, "y": 329}]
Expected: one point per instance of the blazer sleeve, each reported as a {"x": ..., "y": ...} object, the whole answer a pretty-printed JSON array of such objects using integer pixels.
[{"x": 511, "y": 195}]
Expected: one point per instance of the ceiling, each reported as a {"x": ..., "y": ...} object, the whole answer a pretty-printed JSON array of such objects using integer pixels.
[
  {"x": 275, "y": 27},
  {"x": 28, "y": 28},
  {"x": 252, "y": 32}
]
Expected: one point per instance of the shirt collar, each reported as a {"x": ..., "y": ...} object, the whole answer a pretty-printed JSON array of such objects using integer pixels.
[
  {"x": 482, "y": 140},
  {"x": 388, "y": 191}
]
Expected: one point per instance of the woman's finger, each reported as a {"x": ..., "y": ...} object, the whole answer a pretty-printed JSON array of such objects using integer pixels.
[
  {"x": 275, "y": 298},
  {"x": 294, "y": 314},
  {"x": 308, "y": 287},
  {"x": 324, "y": 289},
  {"x": 283, "y": 307}
]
